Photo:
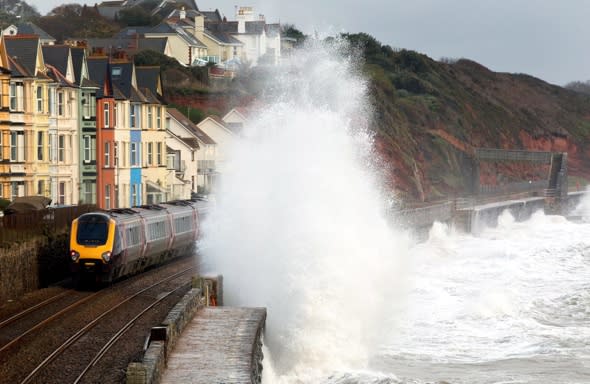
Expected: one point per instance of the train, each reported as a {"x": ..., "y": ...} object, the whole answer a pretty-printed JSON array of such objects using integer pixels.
[{"x": 108, "y": 245}]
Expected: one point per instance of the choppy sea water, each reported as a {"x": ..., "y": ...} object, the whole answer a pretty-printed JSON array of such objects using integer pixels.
[
  {"x": 511, "y": 305},
  {"x": 299, "y": 229}
]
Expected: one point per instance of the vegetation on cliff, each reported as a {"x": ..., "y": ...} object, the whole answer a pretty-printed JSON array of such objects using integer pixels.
[{"x": 430, "y": 114}]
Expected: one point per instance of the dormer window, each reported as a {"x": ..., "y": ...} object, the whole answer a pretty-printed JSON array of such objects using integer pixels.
[{"x": 116, "y": 71}]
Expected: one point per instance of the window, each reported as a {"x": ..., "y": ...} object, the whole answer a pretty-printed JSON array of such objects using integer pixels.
[
  {"x": 133, "y": 194},
  {"x": 134, "y": 117},
  {"x": 158, "y": 118},
  {"x": 89, "y": 192},
  {"x": 150, "y": 150},
  {"x": 133, "y": 155},
  {"x": 107, "y": 154},
  {"x": 1, "y": 151},
  {"x": 62, "y": 193},
  {"x": 107, "y": 196},
  {"x": 60, "y": 103},
  {"x": 87, "y": 150},
  {"x": 159, "y": 153},
  {"x": 15, "y": 189},
  {"x": 39, "y": 99},
  {"x": 107, "y": 116},
  {"x": 150, "y": 116},
  {"x": 13, "y": 97},
  {"x": 61, "y": 148},
  {"x": 115, "y": 114},
  {"x": 116, "y": 153},
  {"x": 13, "y": 146},
  {"x": 51, "y": 101},
  {"x": 41, "y": 187},
  {"x": 39, "y": 145},
  {"x": 52, "y": 151}
]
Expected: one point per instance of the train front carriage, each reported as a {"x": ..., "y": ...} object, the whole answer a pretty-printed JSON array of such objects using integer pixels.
[{"x": 91, "y": 244}]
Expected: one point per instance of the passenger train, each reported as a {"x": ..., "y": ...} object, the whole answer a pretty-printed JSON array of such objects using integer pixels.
[{"x": 107, "y": 245}]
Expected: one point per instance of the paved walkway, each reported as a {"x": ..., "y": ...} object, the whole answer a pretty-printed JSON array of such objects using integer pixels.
[{"x": 220, "y": 345}]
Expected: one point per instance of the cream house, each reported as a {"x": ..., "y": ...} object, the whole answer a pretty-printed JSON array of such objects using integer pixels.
[
  {"x": 191, "y": 155},
  {"x": 221, "y": 46},
  {"x": 217, "y": 130},
  {"x": 183, "y": 45}
]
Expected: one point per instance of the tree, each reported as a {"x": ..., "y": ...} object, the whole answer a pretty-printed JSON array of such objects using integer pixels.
[
  {"x": 75, "y": 20},
  {"x": 579, "y": 86},
  {"x": 289, "y": 30},
  {"x": 136, "y": 16}
]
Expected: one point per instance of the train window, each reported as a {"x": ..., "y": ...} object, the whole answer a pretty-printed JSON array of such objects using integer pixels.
[
  {"x": 92, "y": 230},
  {"x": 133, "y": 236},
  {"x": 118, "y": 244},
  {"x": 182, "y": 224},
  {"x": 157, "y": 230}
]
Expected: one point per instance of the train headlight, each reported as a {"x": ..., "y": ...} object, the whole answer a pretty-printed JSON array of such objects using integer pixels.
[
  {"x": 106, "y": 256},
  {"x": 74, "y": 256}
]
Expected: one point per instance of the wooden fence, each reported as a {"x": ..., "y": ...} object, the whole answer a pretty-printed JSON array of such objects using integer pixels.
[{"x": 22, "y": 226}]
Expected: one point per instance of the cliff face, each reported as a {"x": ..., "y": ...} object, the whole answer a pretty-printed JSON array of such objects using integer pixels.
[{"x": 431, "y": 114}]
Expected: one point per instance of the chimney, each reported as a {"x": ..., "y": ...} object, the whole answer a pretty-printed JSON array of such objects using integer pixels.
[
  {"x": 182, "y": 13},
  {"x": 199, "y": 26},
  {"x": 244, "y": 14}
]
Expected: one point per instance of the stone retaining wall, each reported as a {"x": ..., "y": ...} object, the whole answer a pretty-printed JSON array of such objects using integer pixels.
[
  {"x": 163, "y": 338},
  {"x": 19, "y": 269}
]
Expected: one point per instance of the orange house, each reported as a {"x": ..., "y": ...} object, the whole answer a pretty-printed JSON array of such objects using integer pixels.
[{"x": 106, "y": 149}]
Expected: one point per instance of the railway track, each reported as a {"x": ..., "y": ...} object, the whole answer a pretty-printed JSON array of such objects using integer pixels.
[{"x": 64, "y": 348}]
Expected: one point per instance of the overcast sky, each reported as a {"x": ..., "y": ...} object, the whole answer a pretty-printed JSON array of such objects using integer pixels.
[{"x": 548, "y": 39}]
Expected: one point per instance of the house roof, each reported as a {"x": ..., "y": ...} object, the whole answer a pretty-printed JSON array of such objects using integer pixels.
[
  {"x": 16, "y": 69},
  {"x": 182, "y": 119},
  {"x": 111, "y": 4},
  {"x": 78, "y": 54},
  {"x": 251, "y": 27},
  {"x": 149, "y": 96},
  {"x": 221, "y": 32},
  {"x": 98, "y": 68},
  {"x": 255, "y": 27},
  {"x": 57, "y": 56},
  {"x": 192, "y": 142},
  {"x": 213, "y": 16},
  {"x": 273, "y": 30},
  {"x": 157, "y": 44},
  {"x": 121, "y": 76},
  {"x": 28, "y": 28},
  {"x": 188, "y": 37},
  {"x": 22, "y": 50},
  {"x": 190, "y": 13},
  {"x": 132, "y": 31},
  {"x": 137, "y": 96},
  {"x": 57, "y": 76},
  {"x": 128, "y": 43},
  {"x": 148, "y": 78}
]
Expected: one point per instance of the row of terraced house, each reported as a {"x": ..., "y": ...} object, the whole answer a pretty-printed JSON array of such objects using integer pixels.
[{"x": 81, "y": 128}]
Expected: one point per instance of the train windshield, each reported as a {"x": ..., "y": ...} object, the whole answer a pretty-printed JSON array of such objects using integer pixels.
[{"x": 92, "y": 230}]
